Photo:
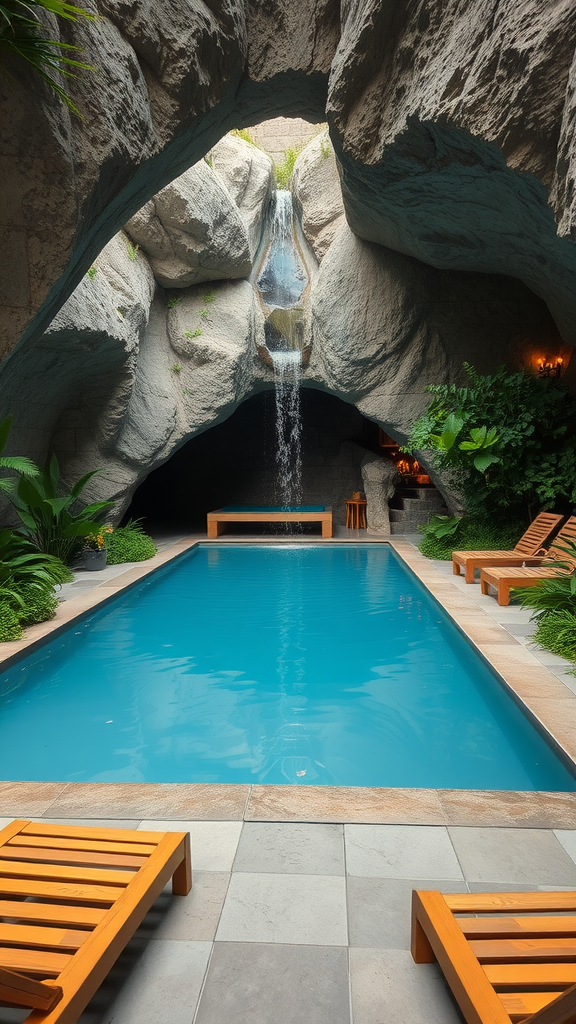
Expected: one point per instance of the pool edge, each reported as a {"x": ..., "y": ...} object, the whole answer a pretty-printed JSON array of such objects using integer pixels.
[{"x": 547, "y": 703}]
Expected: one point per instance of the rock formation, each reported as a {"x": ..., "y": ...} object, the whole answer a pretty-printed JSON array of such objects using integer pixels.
[
  {"x": 379, "y": 477},
  {"x": 453, "y": 139},
  {"x": 316, "y": 187}
]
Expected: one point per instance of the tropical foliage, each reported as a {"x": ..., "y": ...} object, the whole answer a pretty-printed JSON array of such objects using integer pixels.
[
  {"x": 54, "y": 524},
  {"x": 130, "y": 544},
  {"x": 22, "y": 37},
  {"x": 507, "y": 441},
  {"x": 554, "y": 605},
  {"x": 27, "y": 581},
  {"x": 16, "y": 463},
  {"x": 443, "y": 534}
]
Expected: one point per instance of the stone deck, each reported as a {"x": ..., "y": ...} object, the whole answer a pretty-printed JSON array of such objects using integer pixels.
[{"x": 300, "y": 908}]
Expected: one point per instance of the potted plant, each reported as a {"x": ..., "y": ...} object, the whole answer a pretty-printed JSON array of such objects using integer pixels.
[{"x": 95, "y": 549}]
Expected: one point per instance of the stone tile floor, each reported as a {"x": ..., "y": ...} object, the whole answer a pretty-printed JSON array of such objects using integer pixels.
[{"x": 296, "y": 923}]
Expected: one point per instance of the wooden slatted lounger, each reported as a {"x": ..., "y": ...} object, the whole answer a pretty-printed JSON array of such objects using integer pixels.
[
  {"x": 528, "y": 551},
  {"x": 502, "y": 579},
  {"x": 505, "y": 969},
  {"x": 96, "y": 884}
]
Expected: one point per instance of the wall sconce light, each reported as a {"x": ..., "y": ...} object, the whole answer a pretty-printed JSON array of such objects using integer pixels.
[{"x": 550, "y": 369}]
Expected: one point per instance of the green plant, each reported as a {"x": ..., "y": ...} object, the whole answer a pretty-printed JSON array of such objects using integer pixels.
[
  {"x": 243, "y": 133},
  {"x": 173, "y": 301},
  {"x": 284, "y": 170},
  {"x": 10, "y": 628},
  {"x": 193, "y": 334},
  {"x": 209, "y": 159},
  {"x": 445, "y": 534},
  {"x": 133, "y": 251},
  {"x": 16, "y": 463},
  {"x": 507, "y": 441},
  {"x": 176, "y": 368},
  {"x": 204, "y": 314},
  {"x": 53, "y": 524},
  {"x": 27, "y": 581},
  {"x": 22, "y": 37},
  {"x": 556, "y": 632},
  {"x": 209, "y": 297},
  {"x": 91, "y": 272},
  {"x": 130, "y": 544}
]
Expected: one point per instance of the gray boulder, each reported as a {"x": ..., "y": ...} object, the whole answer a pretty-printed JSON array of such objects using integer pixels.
[
  {"x": 192, "y": 231},
  {"x": 379, "y": 477},
  {"x": 315, "y": 185},
  {"x": 248, "y": 174}
]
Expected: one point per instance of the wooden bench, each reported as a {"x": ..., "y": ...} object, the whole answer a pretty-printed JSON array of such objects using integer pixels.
[
  {"x": 520, "y": 966},
  {"x": 96, "y": 886},
  {"x": 216, "y": 521}
]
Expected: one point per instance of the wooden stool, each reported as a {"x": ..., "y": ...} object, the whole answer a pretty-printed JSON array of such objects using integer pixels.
[{"x": 356, "y": 514}]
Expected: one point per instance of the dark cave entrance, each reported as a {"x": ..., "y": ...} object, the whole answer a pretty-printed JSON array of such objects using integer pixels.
[{"x": 234, "y": 463}]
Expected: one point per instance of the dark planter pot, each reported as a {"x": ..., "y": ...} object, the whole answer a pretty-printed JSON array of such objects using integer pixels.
[{"x": 94, "y": 560}]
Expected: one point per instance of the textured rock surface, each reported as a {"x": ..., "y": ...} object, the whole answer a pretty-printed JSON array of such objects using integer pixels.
[
  {"x": 446, "y": 119},
  {"x": 315, "y": 185},
  {"x": 192, "y": 231},
  {"x": 379, "y": 477},
  {"x": 400, "y": 325},
  {"x": 248, "y": 174}
]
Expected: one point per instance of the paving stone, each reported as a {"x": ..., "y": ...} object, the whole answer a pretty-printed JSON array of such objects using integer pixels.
[
  {"x": 532, "y": 856},
  {"x": 156, "y": 984},
  {"x": 567, "y": 838},
  {"x": 295, "y": 909},
  {"x": 389, "y": 988},
  {"x": 94, "y": 822},
  {"x": 379, "y": 909},
  {"x": 275, "y": 984},
  {"x": 193, "y": 917},
  {"x": 400, "y": 851},
  {"x": 293, "y": 848},
  {"x": 213, "y": 843}
]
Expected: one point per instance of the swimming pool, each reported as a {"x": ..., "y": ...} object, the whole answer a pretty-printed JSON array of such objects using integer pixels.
[{"x": 326, "y": 665}]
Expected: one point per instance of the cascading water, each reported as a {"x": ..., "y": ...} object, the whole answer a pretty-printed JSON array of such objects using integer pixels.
[
  {"x": 283, "y": 277},
  {"x": 281, "y": 283},
  {"x": 287, "y": 371}
]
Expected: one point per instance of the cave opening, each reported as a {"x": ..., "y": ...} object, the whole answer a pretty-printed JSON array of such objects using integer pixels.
[{"x": 234, "y": 462}]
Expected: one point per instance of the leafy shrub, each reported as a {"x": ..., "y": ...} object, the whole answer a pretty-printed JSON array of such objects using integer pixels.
[
  {"x": 15, "y": 463},
  {"x": 10, "y": 628},
  {"x": 39, "y": 605},
  {"x": 130, "y": 544},
  {"x": 54, "y": 525},
  {"x": 468, "y": 533},
  {"x": 557, "y": 633},
  {"x": 554, "y": 605},
  {"x": 284, "y": 170},
  {"x": 508, "y": 440}
]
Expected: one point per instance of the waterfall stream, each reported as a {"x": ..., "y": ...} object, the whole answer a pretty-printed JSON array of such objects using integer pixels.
[
  {"x": 287, "y": 372},
  {"x": 282, "y": 282}
]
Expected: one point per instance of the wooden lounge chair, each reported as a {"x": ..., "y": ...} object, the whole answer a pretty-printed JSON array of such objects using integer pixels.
[
  {"x": 70, "y": 900},
  {"x": 504, "y": 969},
  {"x": 528, "y": 551},
  {"x": 502, "y": 579}
]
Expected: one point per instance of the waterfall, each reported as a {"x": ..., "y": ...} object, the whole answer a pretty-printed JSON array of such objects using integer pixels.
[
  {"x": 283, "y": 277},
  {"x": 287, "y": 370}
]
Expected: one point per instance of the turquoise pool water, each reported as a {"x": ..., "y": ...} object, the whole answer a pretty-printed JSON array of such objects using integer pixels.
[{"x": 328, "y": 665}]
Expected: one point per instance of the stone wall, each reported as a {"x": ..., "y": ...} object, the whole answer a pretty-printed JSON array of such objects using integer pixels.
[{"x": 282, "y": 133}]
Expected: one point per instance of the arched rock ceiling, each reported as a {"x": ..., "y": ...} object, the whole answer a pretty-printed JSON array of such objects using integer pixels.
[{"x": 453, "y": 123}]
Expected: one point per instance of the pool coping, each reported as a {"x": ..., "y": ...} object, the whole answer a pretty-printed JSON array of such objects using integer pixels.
[{"x": 545, "y": 700}]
